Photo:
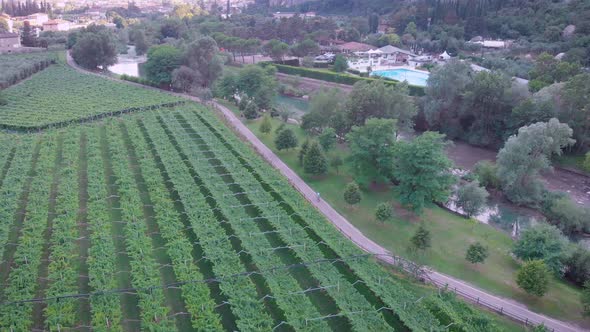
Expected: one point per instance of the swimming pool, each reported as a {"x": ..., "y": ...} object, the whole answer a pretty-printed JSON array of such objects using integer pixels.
[{"x": 413, "y": 77}]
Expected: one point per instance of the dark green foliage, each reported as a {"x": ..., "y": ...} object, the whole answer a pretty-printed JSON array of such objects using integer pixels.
[
  {"x": 340, "y": 63},
  {"x": 422, "y": 170},
  {"x": 471, "y": 198},
  {"x": 486, "y": 172},
  {"x": 476, "y": 253},
  {"x": 161, "y": 62},
  {"x": 324, "y": 106},
  {"x": 575, "y": 110},
  {"x": 383, "y": 212},
  {"x": 303, "y": 151},
  {"x": 533, "y": 277},
  {"x": 577, "y": 265},
  {"x": 265, "y": 126},
  {"x": 352, "y": 193},
  {"x": 525, "y": 155},
  {"x": 585, "y": 299},
  {"x": 315, "y": 161},
  {"x": 371, "y": 150},
  {"x": 251, "y": 111},
  {"x": 95, "y": 47},
  {"x": 286, "y": 140},
  {"x": 542, "y": 242},
  {"x": 568, "y": 216},
  {"x": 378, "y": 100},
  {"x": 420, "y": 240},
  {"x": 336, "y": 162},
  {"x": 29, "y": 35},
  {"x": 327, "y": 139}
]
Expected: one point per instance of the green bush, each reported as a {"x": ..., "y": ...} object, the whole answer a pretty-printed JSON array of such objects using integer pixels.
[{"x": 337, "y": 77}]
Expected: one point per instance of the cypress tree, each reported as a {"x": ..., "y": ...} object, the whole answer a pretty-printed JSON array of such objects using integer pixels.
[{"x": 314, "y": 161}]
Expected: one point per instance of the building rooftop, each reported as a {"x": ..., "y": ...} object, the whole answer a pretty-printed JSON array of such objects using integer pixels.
[{"x": 7, "y": 35}]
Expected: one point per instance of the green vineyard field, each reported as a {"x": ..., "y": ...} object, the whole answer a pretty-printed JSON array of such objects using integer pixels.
[{"x": 164, "y": 220}]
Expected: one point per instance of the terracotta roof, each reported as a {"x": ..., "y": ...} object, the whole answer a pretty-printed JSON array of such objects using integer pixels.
[{"x": 355, "y": 47}]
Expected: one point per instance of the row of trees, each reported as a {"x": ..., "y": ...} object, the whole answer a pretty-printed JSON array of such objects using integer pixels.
[
  {"x": 24, "y": 8},
  {"x": 485, "y": 108}
]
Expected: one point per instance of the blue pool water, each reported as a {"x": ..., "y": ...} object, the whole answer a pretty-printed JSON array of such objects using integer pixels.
[{"x": 412, "y": 76}]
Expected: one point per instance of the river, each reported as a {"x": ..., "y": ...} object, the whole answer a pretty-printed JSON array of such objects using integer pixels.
[{"x": 128, "y": 64}]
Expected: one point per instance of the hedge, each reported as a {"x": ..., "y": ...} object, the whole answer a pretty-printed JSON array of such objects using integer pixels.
[{"x": 339, "y": 77}]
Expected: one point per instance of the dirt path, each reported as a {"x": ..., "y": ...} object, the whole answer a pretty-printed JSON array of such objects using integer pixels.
[{"x": 507, "y": 307}]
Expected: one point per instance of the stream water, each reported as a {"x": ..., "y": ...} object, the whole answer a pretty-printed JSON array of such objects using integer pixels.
[{"x": 128, "y": 64}]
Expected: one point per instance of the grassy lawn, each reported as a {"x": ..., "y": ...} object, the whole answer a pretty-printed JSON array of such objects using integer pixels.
[{"x": 451, "y": 235}]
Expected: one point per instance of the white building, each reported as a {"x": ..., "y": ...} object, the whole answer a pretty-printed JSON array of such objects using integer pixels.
[{"x": 9, "y": 40}]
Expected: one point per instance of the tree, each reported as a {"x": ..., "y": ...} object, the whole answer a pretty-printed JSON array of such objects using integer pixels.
[
  {"x": 486, "y": 172},
  {"x": 383, "y": 212},
  {"x": 352, "y": 193},
  {"x": 373, "y": 23},
  {"x": 276, "y": 49},
  {"x": 302, "y": 151},
  {"x": 533, "y": 277},
  {"x": 585, "y": 299},
  {"x": 265, "y": 126},
  {"x": 202, "y": 57},
  {"x": 162, "y": 60},
  {"x": 184, "y": 78},
  {"x": 379, "y": 100},
  {"x": 476, "y": 253},
  {"x": 420, "y": 240},
  {"x": 422, "y": 170},
  {"x": 327, "y": 139},
  {"x": 568, "y": 216},
  {"x": 286, "y": 140},
  {"x": 577, "y": 265},
  {"x": 29, "y": 36},
  {"x": 340, "y": 63},
  {"x": 251, "y": 111},
  {"x": 315, "y": 161},
  {"x": 371, "y": 150},
  {"x": 323, "y": 107},
  {"x": 444, "y": 95},
  {"x": 526, "y": 154},
  {"x": 542, "y": 242},
  {"x": 575, "y": 110},
  {"x": 94, "y": 48},
  {"x": 305, "y": 48},
  {"x": 336, "y": 162},
  {"x": 141, "y": 44},
  {"x": 471, "y": 198},
  {"x": 259, "y": 84}
]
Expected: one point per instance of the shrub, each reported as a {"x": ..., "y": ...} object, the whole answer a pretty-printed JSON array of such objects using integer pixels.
[
  {"x": 476, "y": 253},
  {"x": 533, "y": 277},
  {"x": 286, "y": 140},
  {"x": 587, "y": 162},
  {"x": 352, "y": 193},
  {"x": 266, "y": 126},
  {"x": 486, "y": 172},
  {"x": 471, "y": 198},
  {"x": 383, "y": 212}
]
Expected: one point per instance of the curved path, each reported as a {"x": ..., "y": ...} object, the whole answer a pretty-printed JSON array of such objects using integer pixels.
[{"x": 508, "y": 307}]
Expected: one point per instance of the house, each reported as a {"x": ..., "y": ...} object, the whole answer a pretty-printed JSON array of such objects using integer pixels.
[
  {"x": 9, "y": 40},
  {"x": 495, "y": 44},
  {"x": 352, "y": 47},
  {"x": 38, "y": 19},
  {"x": 444, "y": 56},
  {"x": 392, "y": 54},
  {"x": 56, "y": 25},
  {"x": 280, "y": 15}
]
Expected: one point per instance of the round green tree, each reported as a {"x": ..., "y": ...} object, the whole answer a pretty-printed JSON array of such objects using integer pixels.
[
  {"x": 340, "y": 63},
  {"x": 315, "y": 161},
  {"x": 286, "y": 140},
  {"x": 476, "y": 253},
  {"x": 383, "y": 212},
  {"x": 352, "y": 194},
  {"x": 251, "y": 111},
  {"x": 471, "y": 198},
  {"x": 533, "y": 277},
  {"x": 303, "y": 151}
]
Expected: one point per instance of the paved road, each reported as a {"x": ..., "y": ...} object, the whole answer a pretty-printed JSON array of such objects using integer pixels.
[{"x": 472, "y": 293}]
